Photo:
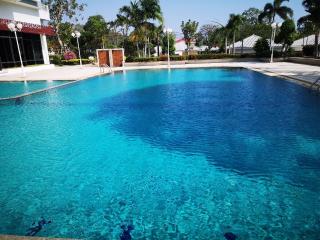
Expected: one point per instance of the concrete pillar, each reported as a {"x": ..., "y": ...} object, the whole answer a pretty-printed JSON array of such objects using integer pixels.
[
  {"x": 44, "y": 46},
  {"x": 111, "y": 57}
]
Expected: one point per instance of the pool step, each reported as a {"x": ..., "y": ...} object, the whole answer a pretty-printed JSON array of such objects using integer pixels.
[{"x": 14, "y": 237}]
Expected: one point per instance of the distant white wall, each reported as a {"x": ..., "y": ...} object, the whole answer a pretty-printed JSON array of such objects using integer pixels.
[{"x": 17, "y": 12}]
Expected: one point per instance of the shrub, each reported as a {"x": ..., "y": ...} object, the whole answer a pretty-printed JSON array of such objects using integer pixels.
[
  {"x": 262, "y": 48},
  {"x": 56, "y": 59},
  {"x": 75, "y": 61},
  {"x": 183, "y": 58},
  {"x": 68, "y": 55},
  {"x": 178, "y": 58},
  {"x": 308, "y": 50},
  {"x": 92, "y": 59}
]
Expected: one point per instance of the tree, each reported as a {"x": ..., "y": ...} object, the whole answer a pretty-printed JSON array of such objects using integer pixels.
[
  {"x": 189, "y": 30},
  {"x": 287, "y": 34},
  {"x": 251, "y": 16},
  {"x": 95, "y": 32},
  {"x": 142, "y": 16},
  {"x": 262, "y": 48},
  {"x": 312, "y": 7},
  {"x": 164, "y": 45},
  {"x": 234, "y": 24},
  {"x": 271, "y": 10},
  {"x": 61, "y": 9},
  {"x": 205, "y": 36}
]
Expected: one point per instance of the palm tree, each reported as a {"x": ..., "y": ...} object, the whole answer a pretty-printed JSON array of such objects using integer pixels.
[
  {"x": 150, "y": 10},
  {"x": 141, "y": 15},
  {"x": 234, "y": 24},
  {"x": 312, "y": 7},
  {"x": 271, "y": 10}
]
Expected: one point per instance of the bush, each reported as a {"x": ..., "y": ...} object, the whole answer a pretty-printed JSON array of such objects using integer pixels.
[
  {"x": 75, "y": 61},
  {"x": 68, "y": 55},
  {"x": 190, "y": 57},
  {"x": 211, "y": 56},
  {"x": 178, "y": 58},
  {"x": 308, "y": 50},
  {"x": 262, "y": 48},
  {"x": 56, "y": 59}
]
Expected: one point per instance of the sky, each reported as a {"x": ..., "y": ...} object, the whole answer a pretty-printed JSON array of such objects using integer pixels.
[{"x": 174, "y": 11}]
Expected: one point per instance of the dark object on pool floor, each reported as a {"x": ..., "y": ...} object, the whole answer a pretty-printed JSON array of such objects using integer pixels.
[
  {"x": 34, "y": 230},
  {"x": 19, "y": 101},
  {"x": 126, "y": 234},
  {"x": 230, "y": 236}
]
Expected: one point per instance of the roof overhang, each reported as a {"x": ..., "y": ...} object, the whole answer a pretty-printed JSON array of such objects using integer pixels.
[{"x": 28, "y": 27}]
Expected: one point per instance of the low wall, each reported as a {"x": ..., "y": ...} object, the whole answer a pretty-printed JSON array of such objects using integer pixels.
[
  {"x": 222, "y": 60},
  {"x": 307, "y": 61}
]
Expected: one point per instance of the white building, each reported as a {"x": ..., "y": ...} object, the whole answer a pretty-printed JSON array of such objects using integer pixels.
[
  {"x": 34, "y": 17},
  {"x": 180, "y": 46},
  {"x": 247, "y": 45},
  {"x": 300, "y": 43}
]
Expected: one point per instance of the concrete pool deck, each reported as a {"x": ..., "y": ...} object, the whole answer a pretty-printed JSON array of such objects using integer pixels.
[{"x": 302, "y": 74}]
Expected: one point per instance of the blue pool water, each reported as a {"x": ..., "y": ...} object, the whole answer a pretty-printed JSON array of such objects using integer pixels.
[
  {"x": 180, "y": 154},
  {"x": 12, "y": 89}
]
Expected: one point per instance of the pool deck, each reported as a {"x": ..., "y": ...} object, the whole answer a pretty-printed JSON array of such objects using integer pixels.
[{"x": 302, "y": 74}]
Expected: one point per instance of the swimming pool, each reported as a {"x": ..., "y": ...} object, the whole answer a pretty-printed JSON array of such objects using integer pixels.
[
  {"x": 12, "y": 89},
  {"x": 180, "y": 154}
]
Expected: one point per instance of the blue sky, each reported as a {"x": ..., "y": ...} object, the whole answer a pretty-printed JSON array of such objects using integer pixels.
[{"x": 204, "y": 11}]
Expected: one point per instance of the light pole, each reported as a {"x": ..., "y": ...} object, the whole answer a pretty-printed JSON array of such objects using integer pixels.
[
  {"x": 274, "y": 27},
  {"x": 77, "y": 35},
  {"x": 168, "y": 31},
  {"x": 13, "y": 27}
]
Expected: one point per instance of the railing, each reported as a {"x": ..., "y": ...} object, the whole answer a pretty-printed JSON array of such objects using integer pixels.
[
  {"x": 315, "y": 83},
  {"x": 103, "y": 66}
]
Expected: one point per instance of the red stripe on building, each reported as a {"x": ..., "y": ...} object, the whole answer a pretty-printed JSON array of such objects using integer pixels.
[{"x": 28, "y": 27}]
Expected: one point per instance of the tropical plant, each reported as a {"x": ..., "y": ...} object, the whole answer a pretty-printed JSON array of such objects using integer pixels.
[
  {"x": 251, "y": 16},
  {"x": 189, "y": 30},
  {"x": 164, "y": 44},
  {"x": 141, "y": 16},
  {"x": 312, "y": 19},
  {"x": 61, "y": 9},
  {"x": 262, "y": 48},
  {"x": 234, "y": 24},
  {"x": 95, "y": 32},
  {"x": 287, "y": 34},
  {"x": 271, "y": 10}
]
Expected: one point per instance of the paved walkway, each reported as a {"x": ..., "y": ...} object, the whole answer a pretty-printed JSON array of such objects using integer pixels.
[{"x": 303, "y": 73}]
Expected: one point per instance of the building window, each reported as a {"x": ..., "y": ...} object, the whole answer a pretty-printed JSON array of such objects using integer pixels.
[{"x": 30, "y": 46}]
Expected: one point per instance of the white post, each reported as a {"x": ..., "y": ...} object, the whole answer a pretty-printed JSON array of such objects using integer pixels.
[
  {"x": 272, "y": 40},
  {"x": 21, "y": 62},
  {"x": 168, "y": 31},
  {"x": 168, "y": 49},
  {"x": 14, "y": 27},
  {"x": 273, "y": 36},
  {"x": 77, "y": 35},
  {"x": 79, "y": 52}
]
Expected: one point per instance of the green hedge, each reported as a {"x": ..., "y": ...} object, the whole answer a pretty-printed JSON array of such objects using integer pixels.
[
  {"x": 75, "y": 61},
  {"x": 308, "y": 50},
  {"x": 183, "y": 58}
]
